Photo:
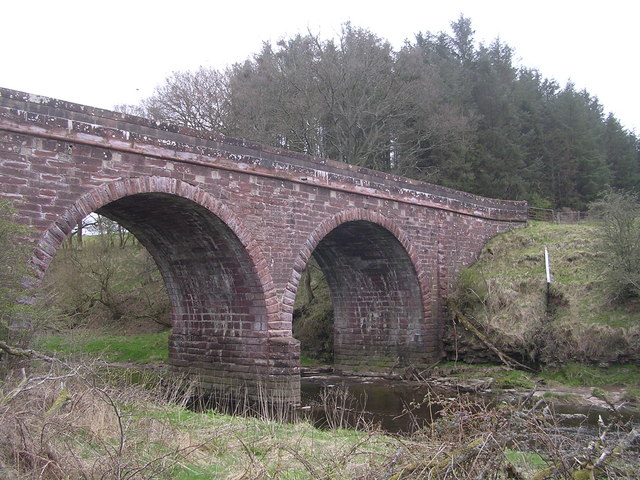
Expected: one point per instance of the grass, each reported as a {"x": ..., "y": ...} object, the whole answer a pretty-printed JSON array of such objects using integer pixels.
[
  {"x": 505, "y": 292},
  {"x": 564, "y": 397},
  {"x": 526, "y": 461},
  {"x": 618, "y": 318},
  {"x": 306, "y": 361},
  {"x": 73, "y": 421},
  {"x": 578, "y": 375},
  {"x": 514, "y": 379},
  {"x": 133, "y": 348},
  {"x": 572, "y": 374},
  {"x": 231, "y": 444},
  {"x": 109, "y": 429}
]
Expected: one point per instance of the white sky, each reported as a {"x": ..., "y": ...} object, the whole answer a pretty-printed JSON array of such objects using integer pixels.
[{"x": 108, "y": 52}]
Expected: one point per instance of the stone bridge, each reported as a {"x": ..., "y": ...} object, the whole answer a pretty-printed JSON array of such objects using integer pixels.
[{"x": 231, "y": 226}]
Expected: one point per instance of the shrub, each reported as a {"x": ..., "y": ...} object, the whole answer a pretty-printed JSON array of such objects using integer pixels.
[
  {"x": 103, "y": 284},
  {"x": 618, "y": 215}
]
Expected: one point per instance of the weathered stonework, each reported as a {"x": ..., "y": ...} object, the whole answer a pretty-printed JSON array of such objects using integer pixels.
[{"x": 232, "y": 224}]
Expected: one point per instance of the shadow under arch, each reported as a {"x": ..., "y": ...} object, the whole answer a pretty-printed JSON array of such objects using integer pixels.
[
  {"x": 213, "y": 270},
  {"x": 378, "y": 290}
]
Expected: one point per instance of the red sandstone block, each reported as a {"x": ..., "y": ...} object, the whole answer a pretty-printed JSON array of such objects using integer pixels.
[
  {"x": 18, "y": 162},
  {"x": 7, "y": 181}
]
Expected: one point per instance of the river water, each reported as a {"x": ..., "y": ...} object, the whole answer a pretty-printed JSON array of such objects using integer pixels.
[
  {"x": 354, "y": 402},
  {"x": 397, "y": 406}
]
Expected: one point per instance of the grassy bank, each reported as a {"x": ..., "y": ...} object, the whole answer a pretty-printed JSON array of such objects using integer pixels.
[
  {"x": 505, "y": 294},
  {"x": 75, "y": 421},
  {"x": 135, "y": 348},
  {"x": 88, "y": 421},
  {"x": 153, "y": 348}
]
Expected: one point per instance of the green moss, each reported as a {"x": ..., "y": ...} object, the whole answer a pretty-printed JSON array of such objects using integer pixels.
[
  {"x": 567, "y": 397},
  {"x": 527, "y": 461},
  {"x": 514, "y": 379}
]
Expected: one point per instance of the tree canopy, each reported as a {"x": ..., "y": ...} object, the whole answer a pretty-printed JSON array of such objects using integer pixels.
[{"x": 441, "y": 109}]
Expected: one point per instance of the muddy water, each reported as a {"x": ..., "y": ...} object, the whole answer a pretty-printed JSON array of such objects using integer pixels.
[
  {"x": 400, "y": 407},
  {"x": 392, "y": 405},
  {"x": 355, "y": 402}
]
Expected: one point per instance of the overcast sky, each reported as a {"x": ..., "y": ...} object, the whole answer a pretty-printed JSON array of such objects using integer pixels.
[{"x": 104, "y": 53}]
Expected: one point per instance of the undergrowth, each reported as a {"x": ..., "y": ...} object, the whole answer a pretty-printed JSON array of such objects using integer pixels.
[
  {"x": 579, "y": 375},
  {"x": 103, "y": 285},
  {"x": 313, "y": 316},
  {"x": 72, "y": 421},
  {"x": 75, "y": 421},
  {"x": 506, "y": 295}
]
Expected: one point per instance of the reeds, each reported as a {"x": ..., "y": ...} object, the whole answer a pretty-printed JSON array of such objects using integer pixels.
[{"x": 90, "y": 421}]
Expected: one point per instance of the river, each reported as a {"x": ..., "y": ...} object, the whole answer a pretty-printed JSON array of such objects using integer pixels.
[{"x": 397, "y": 406}]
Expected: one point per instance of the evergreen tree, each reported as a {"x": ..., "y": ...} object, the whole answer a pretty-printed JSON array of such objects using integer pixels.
[
  {"x": 499, "y": 154},
  {"x": 621, "y": 155},
  {"x": 575, "y": 159},
  {"x": 441, "y": 109}
]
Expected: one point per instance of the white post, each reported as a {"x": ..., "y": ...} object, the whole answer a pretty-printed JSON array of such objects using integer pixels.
[
  {"x": 546, "y": 264},
  {"x": 548, "y": 271}
]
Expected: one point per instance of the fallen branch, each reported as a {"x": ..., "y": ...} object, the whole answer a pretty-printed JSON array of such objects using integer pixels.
[
  {"x": 504, "y": 358},
  {"x": 625, "y": 443},
  {"x": 589, "y": 471},
  {"x": 22, "y": 352}
]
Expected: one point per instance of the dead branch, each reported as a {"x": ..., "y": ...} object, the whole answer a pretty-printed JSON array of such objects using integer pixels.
[
  {"x": 440, "y": 469},
  {"x": 22, "y": 352},
  {"x": 504, "y": 358},
  {"x": 624, "y": 444}
]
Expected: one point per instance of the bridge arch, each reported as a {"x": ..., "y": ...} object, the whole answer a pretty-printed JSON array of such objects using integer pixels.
[
  {"x": 213, "y": 270},
  {"x": 378, "y": 287},
  {"x": 104, "y": 194}
]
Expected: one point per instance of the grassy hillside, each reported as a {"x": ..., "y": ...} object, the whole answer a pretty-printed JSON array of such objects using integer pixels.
[{"x": 505, "y": 294}]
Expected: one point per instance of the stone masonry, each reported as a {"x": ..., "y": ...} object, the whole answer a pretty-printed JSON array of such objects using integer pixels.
[{"x": 231, "y": 225}]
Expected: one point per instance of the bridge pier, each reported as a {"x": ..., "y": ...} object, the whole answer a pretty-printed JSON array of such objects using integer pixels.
[{"x": 273, "y": 377}]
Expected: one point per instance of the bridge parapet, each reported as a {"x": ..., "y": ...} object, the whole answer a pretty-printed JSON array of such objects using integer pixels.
[{"x": 65, "y": 121}]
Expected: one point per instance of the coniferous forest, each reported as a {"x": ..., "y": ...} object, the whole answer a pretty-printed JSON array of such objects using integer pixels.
[{"x": 442, "y": 109}]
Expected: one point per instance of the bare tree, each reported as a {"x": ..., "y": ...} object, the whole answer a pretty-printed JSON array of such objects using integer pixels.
[
  {"x": 274, "y": 98},
  {"x": 196, "y": 99},
  {"x": 352, "y": 99}
]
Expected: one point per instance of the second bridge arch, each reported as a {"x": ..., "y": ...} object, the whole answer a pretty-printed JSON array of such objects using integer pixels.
[{"x": 376, "y": 293}]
